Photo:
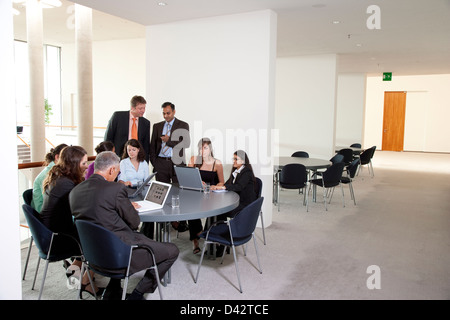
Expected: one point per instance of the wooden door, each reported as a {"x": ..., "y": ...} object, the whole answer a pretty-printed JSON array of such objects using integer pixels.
[{"x": 394, "y": 120}]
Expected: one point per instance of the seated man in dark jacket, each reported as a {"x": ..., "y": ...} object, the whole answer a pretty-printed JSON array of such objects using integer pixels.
[{"x": 104, "y": 202}]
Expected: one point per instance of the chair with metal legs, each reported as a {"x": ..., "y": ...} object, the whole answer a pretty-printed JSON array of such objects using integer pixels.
[
  {"x": 45, "y": 241},
  {"x": 293, "y": 176},
  {"x": 103, "y": 251},
  {"x": 331, "y": 178},
  {"x": 366, "y": 159},
  {"x": 348, "y": 178},
  {"x": 260, "y": 185},
  {"x": 235, "y": 232},
  {"x": 27, "y": 198}
]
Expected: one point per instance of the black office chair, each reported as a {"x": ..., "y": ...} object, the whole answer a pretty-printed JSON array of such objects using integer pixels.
[
  {"x": 355, "y": 145},
  {"x": 348, "y": 178},
  {"x": 348, "y": 155},
  {"x": 330, "y": 178},
  {"x": 293, "y": 176},
  {"x": 27, "y": 196},
  {"x": 366, "y": 159},
  {"x": 235, "y": 232},
  {"x": 46, "y": 241},
  {"x": 337, "y": 158},
  {"x": 300, "y": 154},
  {"x": 103, "y": 250},
  {"x": 260, "y": 185}
]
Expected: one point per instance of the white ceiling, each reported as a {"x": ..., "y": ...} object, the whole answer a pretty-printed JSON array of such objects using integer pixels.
[{"x": 414, "y": 37}]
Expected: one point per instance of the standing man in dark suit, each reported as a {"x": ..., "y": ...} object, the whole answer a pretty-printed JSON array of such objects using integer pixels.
[
  {"x": 104, "y": 202},
  {"x": 126, "y": 125},
  {"x": 169, "y": 139}
]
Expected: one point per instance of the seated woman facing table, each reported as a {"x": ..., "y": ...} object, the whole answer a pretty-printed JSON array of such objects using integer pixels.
[
  {"x": 133, "y": 167},
  {"x": 211, "y": 171}
]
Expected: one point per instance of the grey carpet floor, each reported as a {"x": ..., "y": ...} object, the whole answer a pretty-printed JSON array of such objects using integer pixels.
[{"x": 400, "y": 225}]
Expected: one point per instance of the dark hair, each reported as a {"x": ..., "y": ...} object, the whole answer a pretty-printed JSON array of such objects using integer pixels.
[
  {"x": 168, "y": 104},
  {"x": 137, "y": 100},
  {"x": 104, "y": 146},
  {"x": 134, "y": 143},
  {"x": 68, "y": 166},
  {"x": 199, "y": 160},
  {"x": 241, "y": 154},
  {"x": 50, "y": 156}
]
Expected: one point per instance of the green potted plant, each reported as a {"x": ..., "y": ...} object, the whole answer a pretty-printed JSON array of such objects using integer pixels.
[{"x": 48, "y": 111}]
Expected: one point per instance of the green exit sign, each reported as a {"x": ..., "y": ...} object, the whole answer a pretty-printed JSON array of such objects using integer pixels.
[{"x": 387, "y": 76}]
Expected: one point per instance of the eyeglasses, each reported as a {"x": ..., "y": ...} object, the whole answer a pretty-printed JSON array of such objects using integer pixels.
[{"x": 235, "y": 159}]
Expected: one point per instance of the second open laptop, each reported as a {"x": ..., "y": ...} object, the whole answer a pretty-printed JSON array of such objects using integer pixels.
[
  {"x": 132, "y": 193},
  {"x": 189, "y": 178},
  {"x": 156, "y": 196}
]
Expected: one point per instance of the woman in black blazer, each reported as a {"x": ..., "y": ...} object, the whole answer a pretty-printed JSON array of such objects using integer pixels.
[
  {"x": 56, "y": 213},
  {"x": 242, "y": 181}
]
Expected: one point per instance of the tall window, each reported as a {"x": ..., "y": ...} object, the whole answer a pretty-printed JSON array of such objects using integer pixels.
[{"x": 52, "y": 82}]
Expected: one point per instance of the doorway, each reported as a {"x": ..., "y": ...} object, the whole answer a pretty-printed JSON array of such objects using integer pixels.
[{"x": 394, "y": 120}]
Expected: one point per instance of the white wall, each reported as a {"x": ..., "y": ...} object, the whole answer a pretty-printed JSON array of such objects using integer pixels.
[
  {"x": 10, "y": 268},
  {"x": 118, "y": 75},
  {"x": 306, "y": 105},
  {"x": 219, "y": 73},
  {"x": 427, "y": 111},
  {"x": 350, "y": 108}
]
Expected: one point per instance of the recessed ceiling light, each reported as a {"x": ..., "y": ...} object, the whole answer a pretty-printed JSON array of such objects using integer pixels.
[
  {"x": 162, "y": 4},
  {"x": 359, "y": 45},
  {"x": 336, "y": 22}
]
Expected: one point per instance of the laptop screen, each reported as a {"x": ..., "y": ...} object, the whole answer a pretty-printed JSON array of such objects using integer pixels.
[
  {"x": 157, "y": 192},
  {"x": 189, "y": 178}
]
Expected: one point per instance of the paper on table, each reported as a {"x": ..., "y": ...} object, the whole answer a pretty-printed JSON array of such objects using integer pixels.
[{"x": 220, "y": 190}]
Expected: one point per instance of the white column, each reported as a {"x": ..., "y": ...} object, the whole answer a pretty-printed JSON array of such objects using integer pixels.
[
  {"x": 36, "y": 64},
  {"x": 10, "y": 269},
  {"x": 83, "y": 35}
]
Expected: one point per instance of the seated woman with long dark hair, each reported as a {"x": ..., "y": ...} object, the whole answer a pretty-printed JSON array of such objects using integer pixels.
[
  {"x": 211, "y": 171},
  {"x": 56, "y": 214}
]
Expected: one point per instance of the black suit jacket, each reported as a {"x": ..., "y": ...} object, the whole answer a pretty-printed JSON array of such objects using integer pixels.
[
  {"x": 107, "y": 204},
  {"x": 178, "y": 141},
  {"x": 244, "y": 185},
  {"x": 118, "y": 129}
]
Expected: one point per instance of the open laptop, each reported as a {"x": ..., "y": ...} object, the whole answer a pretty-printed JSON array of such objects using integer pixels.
[
  {"x": 189, "y": 178},
  {"x": 132, "y": 193},
  {"x": 156, "y": 196}
]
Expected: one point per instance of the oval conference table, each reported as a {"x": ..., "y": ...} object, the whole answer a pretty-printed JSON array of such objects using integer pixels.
[
  {"x": 193, "y": 205},
  {"x": 311, "y": 164}
]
